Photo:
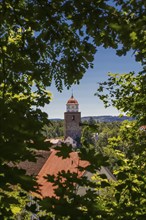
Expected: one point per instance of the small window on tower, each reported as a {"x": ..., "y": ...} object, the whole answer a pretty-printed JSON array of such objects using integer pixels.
[{"x": 73, "y": 118}]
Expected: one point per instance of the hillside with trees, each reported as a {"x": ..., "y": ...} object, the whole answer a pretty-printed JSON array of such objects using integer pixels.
[
  {"x": 107, "y": 118},
  {"x": 54, "y": 129},
  {"x": 56, "y": 40}
]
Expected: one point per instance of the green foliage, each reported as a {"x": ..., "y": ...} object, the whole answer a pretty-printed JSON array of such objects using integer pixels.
[
  {"x": 57, "y": 39},
  {"x": 54, "y": 129},
  {"x": 87, "y": 135},
  {"x": 99, "y": 134},
  {"x": 129, "y": 190},
  {"x": 105, "y": 132},
  {"x": 127, "y": 92},
  {"x": 126, "y": 151}
]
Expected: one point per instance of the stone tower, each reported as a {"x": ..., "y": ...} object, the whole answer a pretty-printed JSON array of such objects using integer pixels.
[{"x": 72, "y": 119}]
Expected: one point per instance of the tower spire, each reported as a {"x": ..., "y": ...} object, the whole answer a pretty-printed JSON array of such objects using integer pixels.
[
  {"x": 72, "y": 94},
  {"x": 72, "y": 119}
]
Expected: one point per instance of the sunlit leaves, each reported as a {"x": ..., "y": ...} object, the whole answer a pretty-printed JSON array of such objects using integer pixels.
[
  {"x": 124, "y": 89},
  {"x": 57, "y": 39}
]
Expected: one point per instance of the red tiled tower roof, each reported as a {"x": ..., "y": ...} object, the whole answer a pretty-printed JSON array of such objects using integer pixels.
[{"x": 72, "y": 100}]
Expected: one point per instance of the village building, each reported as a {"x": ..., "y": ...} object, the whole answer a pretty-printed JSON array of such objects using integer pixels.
[
  {"x": 72, "y": 119},
  {"x": 50, "y": 163}
]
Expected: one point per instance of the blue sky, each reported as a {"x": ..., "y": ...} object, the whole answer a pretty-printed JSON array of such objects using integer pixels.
[{"x": 105, "y": 61}]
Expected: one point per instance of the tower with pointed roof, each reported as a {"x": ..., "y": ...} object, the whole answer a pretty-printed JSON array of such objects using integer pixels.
[{"x": 72, "y": 119}]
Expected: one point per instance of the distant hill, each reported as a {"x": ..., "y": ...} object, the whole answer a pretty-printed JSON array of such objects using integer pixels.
[
  {"x": 56, "y": 119},
  {"x": 106, "y": 118}
]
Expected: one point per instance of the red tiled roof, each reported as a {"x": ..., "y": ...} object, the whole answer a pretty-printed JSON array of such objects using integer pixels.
[
  {"x": 72, "y": 100},
  {"x": 56, "y": 164},
  {"x": 143, "y": 128}
]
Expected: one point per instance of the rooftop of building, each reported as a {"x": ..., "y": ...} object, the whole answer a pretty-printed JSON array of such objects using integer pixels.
[
  {"x": 72, "y": 100},
  {"x": 55, "y": 165}
]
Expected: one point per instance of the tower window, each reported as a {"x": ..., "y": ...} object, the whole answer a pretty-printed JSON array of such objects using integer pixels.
[{"x": 73, "y": 118}]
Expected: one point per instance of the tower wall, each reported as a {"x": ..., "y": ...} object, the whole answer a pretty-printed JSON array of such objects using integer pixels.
[{"x": 72, "y": 124}]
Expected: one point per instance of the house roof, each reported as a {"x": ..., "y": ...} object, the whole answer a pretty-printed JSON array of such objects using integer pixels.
[
  {"x": 33, "y": 168},
  {"x": 54, "y": 141},
  {"x": 143, "y": 128},
  {"x": 56, "y": 164}
]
